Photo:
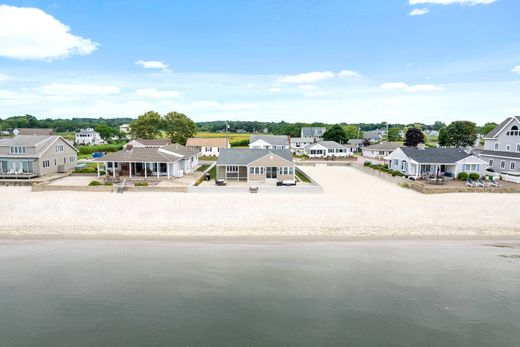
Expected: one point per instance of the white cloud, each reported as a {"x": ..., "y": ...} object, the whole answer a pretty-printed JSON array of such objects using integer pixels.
[
  {"x": 152, "y": 64},
  {"x": 275, "y": 90},
  {"x": 418, "y": 12},
  {"x": 410, "y": 88},
  {"x": 158, "y": 94},
  {"x": 63, "y": 89},
  {"x": 313, "y": 94},
  {"x": 349, "y": 74},
  {"x": 31, "y": 34},
  {"x": 516, "y": 69},
  {"x": 4, "y": 77},
  {"x": 452, "y": 2},
  {"x": 308, "y": 77},
  {"x": 307, "y": 87}
]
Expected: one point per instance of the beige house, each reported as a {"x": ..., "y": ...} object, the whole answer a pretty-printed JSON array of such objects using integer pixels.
[
  {"x": 255, "y": 165},
  {"x": 210, "y": 146},
  {"x": 29, "y": 156}
]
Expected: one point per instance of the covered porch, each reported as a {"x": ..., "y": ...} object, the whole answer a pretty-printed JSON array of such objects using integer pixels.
[
  {"x": 17, "y": 169},
  {"x": 143, "y": 169},
  {"x": 424, "y": 170}
]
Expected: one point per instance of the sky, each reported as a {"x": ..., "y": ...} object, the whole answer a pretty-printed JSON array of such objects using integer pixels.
[{"x": 398, "y": 61}]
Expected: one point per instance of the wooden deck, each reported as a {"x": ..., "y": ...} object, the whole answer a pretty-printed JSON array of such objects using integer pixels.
[{"x": 18, "y": 176}]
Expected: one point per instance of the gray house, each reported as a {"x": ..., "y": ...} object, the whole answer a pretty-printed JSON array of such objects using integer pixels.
[
  {"x": 269, "y": 141},
  {"x": 29, "y": 156},
  {"x": 313, "y": 132},
  {"x": 502, "y": 146},
  {"x": 255, "y": 165}
]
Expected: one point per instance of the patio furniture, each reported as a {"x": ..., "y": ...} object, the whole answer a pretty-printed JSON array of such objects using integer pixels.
[
  {"x": 469, "y": 183},
  {"x": 253, "y": 189},
  {"x": 493, "y": 183},
  {"x": 220, "y": 182},
  {"x": 479, "y": 183},
  {"x": 288, "y": 182},
  {"x": 121, "y": 187}
]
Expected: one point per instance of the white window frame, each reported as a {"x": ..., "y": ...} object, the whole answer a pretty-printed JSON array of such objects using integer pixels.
[
  {"x": 512, "y": 166},
  {"x": 502, "y": 164},
  {"x": 497, "y": 146},
  {"x": 231, "y": 168},
  {"x": 508, "y": 148}
]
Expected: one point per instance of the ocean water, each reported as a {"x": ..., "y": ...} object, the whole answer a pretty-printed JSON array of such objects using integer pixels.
[{"x": 377, "y": 293}]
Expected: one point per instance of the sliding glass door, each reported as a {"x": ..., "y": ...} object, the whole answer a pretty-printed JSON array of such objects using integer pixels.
[{"x": 16, "y": 167}]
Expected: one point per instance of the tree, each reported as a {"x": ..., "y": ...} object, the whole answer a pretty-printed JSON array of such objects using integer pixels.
[
  {"x": 336, "y": 133},
  {"x": 353, "y": 132},
  {"x": 413, "y": 137},
  {"x": 438, "y": 125},
  {"x": 179, "y": 127},
  {"x": 147, "y": 126},
  {"x": 460, "y": 134},
  {"x": 487, "y": 128},
  {"x": 394, "y": 134},
  {"x": 106, "y": 131},
  {"x": 443, "y": 137}
]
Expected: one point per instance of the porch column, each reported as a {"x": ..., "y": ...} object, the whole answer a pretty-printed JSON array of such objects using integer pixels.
[
  {"x": 158, "y": 169},
  {"x": 130, "y": 169},
  {"x": 98, "y": 169},
  {"x": 114, "y": 169},
  {"x": 145, "y": 170},
  {"x": 168, "y": 169}
]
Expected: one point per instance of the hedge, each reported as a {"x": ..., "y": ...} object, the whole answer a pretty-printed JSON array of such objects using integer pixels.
[{"x": 100, "y": 148}]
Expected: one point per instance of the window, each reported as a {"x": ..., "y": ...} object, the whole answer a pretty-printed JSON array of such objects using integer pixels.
[
  {"x": 256, "y": 170},
  {"x": 54, "y": 162},
  {"x": 64, "y": 160},
  {"x": 59, "y": 148},
  {"x": 496, "y": 146},
  {"x": 518, "y": 147},
  {"x": 508, "y": 148},
  {"x": 470, "y": 167},
  {"x": 512, "y": 166},
  {"x": 291, "y": 170},
  {"x": 46, "y": 163},
  {"x": 18, "y": 150},
  {"x": 502, "y": 164},
  {"x": 490, "y": 162},
  {"x": 232, "y": 168}
]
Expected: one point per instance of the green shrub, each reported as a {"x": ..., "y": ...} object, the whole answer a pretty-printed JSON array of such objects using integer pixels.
[
  {"x": 474, "y": 176},
  {"x": 367, "y": 163},
  {"x": 94, "y": 183},
  {"x": 108, "y": 184},
  {"x": 141, "y": 184},
  {"x": 240, "y": 143},
  {"x": 396, "y": 173},
  {"x": 463, "y": 176},
  {"x": 404, "y": 185},
  {"x": 100, "y": 148}
]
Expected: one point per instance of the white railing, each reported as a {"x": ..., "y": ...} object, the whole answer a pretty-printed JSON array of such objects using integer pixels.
[{"x": 510, "y": 178}]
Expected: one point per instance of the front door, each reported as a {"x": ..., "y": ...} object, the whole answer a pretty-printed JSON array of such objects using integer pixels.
[{"x": 271, "y": 172}]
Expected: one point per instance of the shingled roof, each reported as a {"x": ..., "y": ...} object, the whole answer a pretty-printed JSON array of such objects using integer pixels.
[
  {"x": 244, "y": 156},
  {"x": 435, "y": 155},
  {"x": 499, "y": 127},
  {"x": 274, "y": 140}
]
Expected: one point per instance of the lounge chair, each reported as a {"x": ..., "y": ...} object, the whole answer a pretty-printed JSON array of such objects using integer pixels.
[
  {"x": 481, "y": 183},
  {"x": 493, "y": 183},
  {"x": 470, "y": 183}
]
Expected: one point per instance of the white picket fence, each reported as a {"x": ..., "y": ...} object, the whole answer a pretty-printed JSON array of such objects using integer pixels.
[{"x": 510, "y": 178}]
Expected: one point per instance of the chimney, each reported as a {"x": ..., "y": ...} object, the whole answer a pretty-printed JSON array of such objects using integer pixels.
[
  {"x": 129, "y": 147},
  {"x": 421, "y": 146}
]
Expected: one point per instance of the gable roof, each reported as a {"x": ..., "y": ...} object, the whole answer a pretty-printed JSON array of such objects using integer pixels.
[
  {"x": 244, "y": 156},
  {"x": 179, "y": 149},
  {"x": 273, "y": 140},
  {"x": 383, "y": 146},
  {"x": 493, "y": 133},
  {"x": 435, "y": 155},
  {"x": 505, "y": 154},
  {"x": 35, "y": 131},
  {"x": 220, "y": 142},
  {"x": 153, "y": 142},
  {"x": 312, "y": 131},
  {"x": 330, "y": 145},
  {"x": 33, "y": 141}
]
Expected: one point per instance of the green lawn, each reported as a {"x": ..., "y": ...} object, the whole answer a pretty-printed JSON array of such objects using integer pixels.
[{"x": 301, "y": 177}]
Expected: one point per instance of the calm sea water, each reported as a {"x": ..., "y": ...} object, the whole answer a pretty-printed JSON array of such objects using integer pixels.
[{"x": 128, "y": 293}]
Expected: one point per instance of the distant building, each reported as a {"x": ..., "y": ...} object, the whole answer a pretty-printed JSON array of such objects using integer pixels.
[
  {"x": 33, "y": 131},
  {"x": 269, "y": 141},
  {"x": 380, "y": 150},
  {"x": 210, "y": 146},
  {"x": 124, "y": 128},
  {"x": 149, "y": 143},
  {"x": 313, "y": 132},
  {"x": 326, "y": 149},
  {"x": 374, "y": 135},
  {"x": 298, "y": 144},
  {"x": 88, "y": 136},
  {"x": 357, "y": 143}
]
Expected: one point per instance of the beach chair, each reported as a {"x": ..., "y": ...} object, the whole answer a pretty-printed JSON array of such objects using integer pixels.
[
  {"x": 493, "y": 183},
  {"x": 481, "y": 183},
  {"x": 469, "y": 183}
]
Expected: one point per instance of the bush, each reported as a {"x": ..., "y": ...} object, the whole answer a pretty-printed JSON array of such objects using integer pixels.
[
  {"x": 463, "y": 176},
  {"x": 367, "y": 163},
  {"x": 396, "y": 173},
  {"x": 108, "y": 183},
  {"x": 240, "y": 143},
  {"x": 94, "y": 183},
  {"x": 100, "y": 148},
  {"x": 141, "y": 184},
  {"x": 474, "y": 176}
]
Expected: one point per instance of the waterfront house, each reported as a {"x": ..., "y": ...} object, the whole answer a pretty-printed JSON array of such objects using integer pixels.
[
  {"x": 374, "y": 136},
  {"x": 380, "y": 150},
  {"x": 298, "y": 144},
  {"x": 255, "y": 165},
  {"x": 88, "y": 136},
  {"x": 357, "y": 144},
  {"x": 327, "y": 149},
  {"x": 421, "y": 161},
  {"x": 29, "y": 156},
  {"x": 269, "y": 141},
  {"x": 210, "y": 146},
  {"x": 502, "y": 147},
  {"x": 33, "y": 131},
  {"x": 169, "y": 161},
  {"x": 149, "y": 143}
]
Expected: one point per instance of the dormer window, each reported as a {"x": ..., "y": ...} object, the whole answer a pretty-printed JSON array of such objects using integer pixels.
[
  {"x": 18, "y": 150},
  {"x": 514, "y": 131}
]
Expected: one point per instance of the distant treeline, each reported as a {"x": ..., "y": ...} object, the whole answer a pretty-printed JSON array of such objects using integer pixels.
[{"x": 59, "y": 125}]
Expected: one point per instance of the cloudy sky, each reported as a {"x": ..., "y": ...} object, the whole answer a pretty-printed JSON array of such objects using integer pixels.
[{"x": 332, "y": 61}]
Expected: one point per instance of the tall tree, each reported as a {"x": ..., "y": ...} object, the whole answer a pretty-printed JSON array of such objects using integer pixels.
[
  {"x": 443, "y": 138},
  {"x": 146, "y": 126},
  {"x": 394, "y": 134},
  {"x": 336, "y": 133},
  {"x": 179, "y": 127},
  {"x": 353, "y": 132},
  {"x": 460, "y": 134},
  {"x": 487, "y": 128},
  {"x": 106, "y": 131},
  {"x": 413, "y": 137},
  {"x": 438, "y": 125}
]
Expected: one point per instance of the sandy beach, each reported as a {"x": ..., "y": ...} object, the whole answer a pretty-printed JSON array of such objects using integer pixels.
[{"x": 354, "y": 204}]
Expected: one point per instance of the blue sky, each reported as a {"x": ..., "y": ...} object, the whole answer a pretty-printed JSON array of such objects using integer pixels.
[{"x": 333, "y": 61}]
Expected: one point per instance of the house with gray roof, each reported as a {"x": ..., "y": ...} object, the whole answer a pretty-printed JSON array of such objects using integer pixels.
[
  {"x": 328, "y": 149},
  {"x": 421, "y": 161},
  {"x": 149, "y": 143},
  {"x": 88, "y": 136},
  {"x": 269, "y": 141},
  {"x": 380, "y": 150},
  {"x": 374, "y": 135},
  {"x": 30, "y": 156},
  {"x": 313, "y": 132},
  {"x": 173, "y": 160},
  {"x": 502, "y": 147},
  {"x": 357, "y": 143},
  {"x": 298, "y": 144},
  {"x": 255, "y": 165},
  {"x": 33, "y": 131}
]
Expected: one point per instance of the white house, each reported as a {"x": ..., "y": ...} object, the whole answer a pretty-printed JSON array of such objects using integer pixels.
[
  {"x": 124, "y": 128},
  {"x": 149, "y": 143},
  {"x": 419, "y": 162},
  {"x": 208, "y": 146},
  {"x": 88, "y": 137},
  {"x": 269, "y": 142},
  {"x": 380, "y": 150},
  {"x": 298, "y": 144},
  {"x": 324, "y": 149}
]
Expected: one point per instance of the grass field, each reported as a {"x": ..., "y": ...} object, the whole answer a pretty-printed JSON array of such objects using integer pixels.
[{"x": 232, "y": 136}]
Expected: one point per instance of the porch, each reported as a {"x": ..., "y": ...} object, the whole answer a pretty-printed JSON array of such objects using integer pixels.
[
  {"x": 17, "y": 169},
  {"x": 155, "y": 170},
  {"x": 420, "y": 171}
]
